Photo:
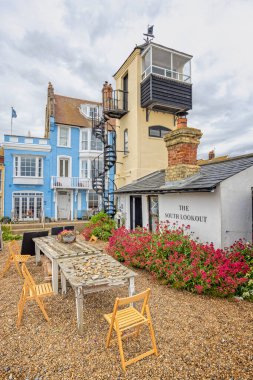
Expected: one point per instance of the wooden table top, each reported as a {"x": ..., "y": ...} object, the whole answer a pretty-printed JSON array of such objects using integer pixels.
[
  {"x": 94, "y": 271},
  {"x": 55, "y": 249}
]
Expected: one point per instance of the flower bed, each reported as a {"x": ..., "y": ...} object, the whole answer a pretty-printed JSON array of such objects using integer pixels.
[
  {"x": 173, "y": 256},
  {"x": 100, "y": 225}
]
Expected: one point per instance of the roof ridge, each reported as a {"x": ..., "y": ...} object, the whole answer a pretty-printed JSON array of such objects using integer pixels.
[
  {"x": 82, "y": 100},
  {"x": 227, "y": 159}
]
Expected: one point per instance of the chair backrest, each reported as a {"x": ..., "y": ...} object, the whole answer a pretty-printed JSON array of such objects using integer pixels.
[
  {"x": 125, "y": 301},
  {"x": 137, "y": 297},
  {"x": 56, "y": 230},
  {"x": 69, "y": 228},
  {"x": 28, "y": 245},
  {"x": 13, "y": 245},
  {"x": 27, "y": 276}
]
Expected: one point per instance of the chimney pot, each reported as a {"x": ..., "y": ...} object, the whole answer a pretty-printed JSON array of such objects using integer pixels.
[
  {"x": 211, "y": 155},
  {"x": 181, "y": 122}
]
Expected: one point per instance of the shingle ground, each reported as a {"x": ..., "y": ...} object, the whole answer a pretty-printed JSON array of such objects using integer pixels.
[{"x": 198, "y": 337}]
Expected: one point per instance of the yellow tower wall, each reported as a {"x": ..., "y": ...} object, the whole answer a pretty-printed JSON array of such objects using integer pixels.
[{"x": 146, "y": 154}]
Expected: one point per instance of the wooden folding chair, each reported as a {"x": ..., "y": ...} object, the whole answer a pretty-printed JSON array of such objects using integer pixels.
[
  {"x": 14, "y": 257},
  {"x": 130, "y": 318},
  {"x": 93, "y": 239},
  {"x": 31, "y": 291}
]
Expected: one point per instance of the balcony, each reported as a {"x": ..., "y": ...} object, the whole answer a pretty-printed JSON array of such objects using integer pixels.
[
  {"x": 115, "y": 103},
  {"x": 70, "y": 183},
  {"x": 166, "y": 80}
]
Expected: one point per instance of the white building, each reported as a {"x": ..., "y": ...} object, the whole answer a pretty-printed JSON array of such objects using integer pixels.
[{"x": 216, "y": 201}]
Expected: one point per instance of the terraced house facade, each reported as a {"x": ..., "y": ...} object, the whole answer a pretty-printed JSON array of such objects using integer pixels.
[
  {"x": 1, "y": 182},
  {"x": 51, "y": 176}
]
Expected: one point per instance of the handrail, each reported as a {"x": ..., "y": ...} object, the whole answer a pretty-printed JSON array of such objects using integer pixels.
[
  {"x": 167, "y": 73},
  {"x": 70, "y": 182}
]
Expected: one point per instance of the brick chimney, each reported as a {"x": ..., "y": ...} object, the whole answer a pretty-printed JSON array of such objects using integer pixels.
[
  {"x": 211, "y": 155},
  {"x": 50, "y": 109},
  {"x": 107, "y": 95},
  {"x": 182, "y": 145},
  {"x": 50, "y": 99}
]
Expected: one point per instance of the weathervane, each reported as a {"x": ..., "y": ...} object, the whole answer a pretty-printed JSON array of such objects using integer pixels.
[{"x": 149, "y": 35}]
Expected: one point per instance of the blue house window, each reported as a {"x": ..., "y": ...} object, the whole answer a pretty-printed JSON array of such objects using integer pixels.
[
  {"x": 28, "y": 166},
  {"x": 27, "y": 205}
]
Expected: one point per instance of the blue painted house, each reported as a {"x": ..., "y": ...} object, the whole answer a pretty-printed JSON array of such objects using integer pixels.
[{"x": 51, "y": 176}]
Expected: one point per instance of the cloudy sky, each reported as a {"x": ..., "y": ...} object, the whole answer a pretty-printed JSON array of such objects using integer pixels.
[{"x": 77, "y": 44}]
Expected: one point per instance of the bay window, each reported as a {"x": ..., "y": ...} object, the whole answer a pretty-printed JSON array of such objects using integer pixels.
[
  {"x": 85, "y": 172},
  {"x": 95, "y": 144},
  {"x": 89, "y": 141},
  {"x": 84, "y": 140}
]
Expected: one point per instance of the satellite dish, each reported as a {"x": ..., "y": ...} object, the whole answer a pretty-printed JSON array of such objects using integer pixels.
[{"x": 149, "y": 35}]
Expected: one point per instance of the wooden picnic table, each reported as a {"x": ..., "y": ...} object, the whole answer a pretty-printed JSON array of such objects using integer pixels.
[
  {"x": 86, "y": 268},
  {"x": 55, "y": 250},
  {"x": 93, "y": 273}
]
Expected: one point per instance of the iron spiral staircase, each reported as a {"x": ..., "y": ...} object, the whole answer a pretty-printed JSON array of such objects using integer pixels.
[
  {"x": 115, "y": 106},
  {"x": 102, "y": 180}
]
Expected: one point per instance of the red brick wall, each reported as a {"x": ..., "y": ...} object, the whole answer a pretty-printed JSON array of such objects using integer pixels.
[{"x": 184, "y": 153}]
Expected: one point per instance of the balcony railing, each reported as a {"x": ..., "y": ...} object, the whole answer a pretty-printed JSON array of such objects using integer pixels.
[
  {"x": 166, "y": 73},
  {"x": 70, "y": 183},
  {"x": 115, "y": 103}
]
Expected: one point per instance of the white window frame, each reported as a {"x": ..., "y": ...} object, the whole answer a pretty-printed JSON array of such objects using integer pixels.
[
  {"x": 17, "y": 170},
  {"x": 86, "y": 131},
  {"x": 28, "y": 194},
  {"x": 92, "y": 192},
  {"x": 125, "y": 142},
  {"x": 87, "y": 110},
  {"x": 89, "y": 138},
  {"x": 69, "y": 158},
  {"x": 69, "y": 136},
  {"x": 97, "y": 141},
  {"x": 88, "y": 170}
]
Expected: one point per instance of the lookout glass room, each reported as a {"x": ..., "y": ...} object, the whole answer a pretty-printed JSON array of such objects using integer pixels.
[{"x": 166, "y": 63}]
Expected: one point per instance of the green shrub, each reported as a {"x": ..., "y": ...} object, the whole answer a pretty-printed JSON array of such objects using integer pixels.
[
  {"x": 7, "y": 235},
  {"x": 100, "y": 225}
]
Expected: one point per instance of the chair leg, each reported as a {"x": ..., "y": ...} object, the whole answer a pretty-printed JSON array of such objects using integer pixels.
[
  {"x": 21, "y": 306},
  {"x": 18, "y": 268},
  {"x": 151, "y": 330},
  {"x": 7, "y": 266},
  {"x": 109, "y": 335},
  {"x": 121, "y": 352},
  {"x": 42, "y": 308}
]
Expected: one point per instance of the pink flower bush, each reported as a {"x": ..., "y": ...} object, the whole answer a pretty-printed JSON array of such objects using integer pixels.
[{"x": 171, "y": 255}]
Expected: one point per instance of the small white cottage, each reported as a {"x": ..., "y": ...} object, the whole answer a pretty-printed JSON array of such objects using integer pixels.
[{"x": 214, "y": 197}]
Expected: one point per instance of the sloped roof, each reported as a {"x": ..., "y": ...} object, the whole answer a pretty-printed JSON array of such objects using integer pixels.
[
  {"x": 67, "y": 111},
  {"x": 207, "y": 179}
]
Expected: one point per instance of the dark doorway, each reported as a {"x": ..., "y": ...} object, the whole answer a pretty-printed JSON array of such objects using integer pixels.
[{"x": 135, "y": 212}]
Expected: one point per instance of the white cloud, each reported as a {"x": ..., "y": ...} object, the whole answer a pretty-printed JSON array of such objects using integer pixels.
[{"x": 77, "y": 44}]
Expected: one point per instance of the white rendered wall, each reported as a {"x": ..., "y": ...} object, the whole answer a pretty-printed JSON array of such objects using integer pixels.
[
  {"x": 236, "y": 201},
  {"x": 204, "y": 208},
  {"x": 145, "y": 218}
]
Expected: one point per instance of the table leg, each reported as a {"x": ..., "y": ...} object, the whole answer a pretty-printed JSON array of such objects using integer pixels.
[
  {"x": 131, "y": 288},
  {"x": 55, "y": 279},
  {"x": 79, "y": 309},
  {"x": 63, "y": 284},
  {"x": 37, "y": 254}
]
